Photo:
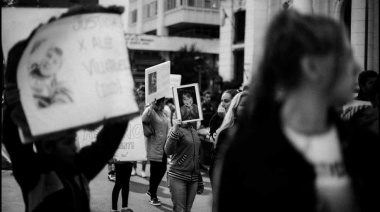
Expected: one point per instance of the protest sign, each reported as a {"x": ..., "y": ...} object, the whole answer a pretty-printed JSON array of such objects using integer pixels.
[
  {"x": 131, "y": 148},
  {"x": 175, "y": 80},
  {"x": 75, "y": 71},
  {"x": 157, "y": 82},
  {"x": 187, "y": 101}
]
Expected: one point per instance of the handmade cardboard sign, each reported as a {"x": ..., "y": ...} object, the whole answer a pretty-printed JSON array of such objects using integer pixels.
[
  {"x": 175, "y": 80},
  {"x": 188, "y": 103},
  {"x": 131, "y": 148},
  {"x": 157, "y": 82},
  {"x": 75, "y": 71}
]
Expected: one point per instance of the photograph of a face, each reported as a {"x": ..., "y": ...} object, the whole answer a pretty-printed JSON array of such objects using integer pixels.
[
  {"x": 187, "y": 102},
  {"x": 152, "y": 77}
]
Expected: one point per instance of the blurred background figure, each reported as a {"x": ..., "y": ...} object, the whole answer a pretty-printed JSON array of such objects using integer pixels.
[
  {"x": 233, "y": 114},
  {"x": 123, "y": 171},
  {"x": 366, "y": 94},
  {"x": 208, "y": 109},
  {"x": 217, "y": 118},
  {"x": 291, "y": 151}
]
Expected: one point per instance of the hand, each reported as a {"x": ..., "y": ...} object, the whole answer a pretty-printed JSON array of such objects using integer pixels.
[
  {"x": 176, "y": 123},
  {"x": 200, "y": 189}
]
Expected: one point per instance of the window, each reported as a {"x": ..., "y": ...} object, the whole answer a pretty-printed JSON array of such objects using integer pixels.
[
  {"x": 239, "y": 26},
  {"x": 170, "y": 4},
  {"x": 134, "y": 16},
  {"x": 152, "y": 9}
]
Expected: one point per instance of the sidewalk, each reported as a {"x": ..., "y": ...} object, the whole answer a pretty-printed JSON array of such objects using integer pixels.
[{"x": 101, "y": 189}]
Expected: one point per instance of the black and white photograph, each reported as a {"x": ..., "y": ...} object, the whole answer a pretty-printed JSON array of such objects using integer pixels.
[
  {"x": 190, "y": 105},
  {"x": 187, "y": 102}
]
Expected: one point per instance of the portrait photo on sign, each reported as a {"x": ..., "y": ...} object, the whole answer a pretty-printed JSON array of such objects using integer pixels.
[
  {"x": 187, "y": 102},
  {"x": 152, "y": 77},
  {"x": 43, "y": 72}
]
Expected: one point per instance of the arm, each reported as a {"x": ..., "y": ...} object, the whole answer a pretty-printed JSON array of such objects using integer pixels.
[
  {"x": 147, "y": 115},
  {"x": 25, "y": 166},
  {"x": 93, "y": 158},
  {"x": 173, "y": 138}
]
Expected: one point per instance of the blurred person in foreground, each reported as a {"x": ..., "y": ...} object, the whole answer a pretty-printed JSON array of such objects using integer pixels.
[
  {"x": 52, "y": 174},
  {"x": 291, "y": 152}
]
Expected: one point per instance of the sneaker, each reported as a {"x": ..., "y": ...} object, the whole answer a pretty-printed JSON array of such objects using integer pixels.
[
  {"x": 143, "y": 175},
  {"x": 126, "y": 210},
  {"x": 148, "y": 193},
  {"x": 111, "y": 177},
  {"x": 133, "y": 172},
  {"x": 155, "y": 201}
]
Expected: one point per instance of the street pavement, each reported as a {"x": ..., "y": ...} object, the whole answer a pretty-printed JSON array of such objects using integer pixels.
[{"x": 101, "y": 189}]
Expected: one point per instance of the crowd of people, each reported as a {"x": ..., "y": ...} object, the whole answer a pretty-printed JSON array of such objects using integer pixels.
[{"x": 294, "y": 140}]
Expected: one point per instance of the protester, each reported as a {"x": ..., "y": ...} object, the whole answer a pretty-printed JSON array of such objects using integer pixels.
[
  {"x": 291, "y": 152},
  {"x": 208, "y": 109},
  {"x": 111, "y": 170},
  {"x": 184, "y": 177},
  {"x": 52, "y": 175},
  {"x": 234, "y": 111},
  {"x": 155, "y": 116},
  {"x": 123, "y": 175},
  {"x": 366, "y": 81},
  {"x": 217, "y": 118}
]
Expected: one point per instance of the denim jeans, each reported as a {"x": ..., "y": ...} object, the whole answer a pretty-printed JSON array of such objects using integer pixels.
[{"x": 183, "y": 194}]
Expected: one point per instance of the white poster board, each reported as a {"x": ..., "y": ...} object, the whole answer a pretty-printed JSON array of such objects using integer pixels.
[
  {"x": 157, "y": 82},
  {"x": 175, "y": 80},
  {"x": 131, "y": 148},
  {"x": 187, "y": 102},
  {"x": 75, "y": 71}
]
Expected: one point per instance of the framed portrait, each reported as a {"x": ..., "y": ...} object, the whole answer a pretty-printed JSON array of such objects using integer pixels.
[{"x": 188, "y": 103}]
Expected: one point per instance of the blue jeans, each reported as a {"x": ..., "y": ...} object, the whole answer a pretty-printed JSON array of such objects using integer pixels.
[{"x": 183, "y": 194}]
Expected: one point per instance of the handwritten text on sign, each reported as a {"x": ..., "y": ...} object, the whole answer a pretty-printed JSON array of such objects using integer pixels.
[
  {"x": 131, "y": 148},
  {"x": 75, "y": 71}
]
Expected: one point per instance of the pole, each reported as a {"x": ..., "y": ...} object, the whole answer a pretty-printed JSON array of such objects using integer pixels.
[{"x": 366, "y": 36}]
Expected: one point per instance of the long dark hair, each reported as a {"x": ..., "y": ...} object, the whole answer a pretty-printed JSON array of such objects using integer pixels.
[{"x": 290, "y": 37}]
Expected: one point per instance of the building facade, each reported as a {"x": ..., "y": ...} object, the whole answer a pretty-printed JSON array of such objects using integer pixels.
[
  {"x": 244, "y": 22},
  {"x": 156, "y": 29}
]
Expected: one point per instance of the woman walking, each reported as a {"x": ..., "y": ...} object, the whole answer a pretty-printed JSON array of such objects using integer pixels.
[{"x": 155, "y": 117}]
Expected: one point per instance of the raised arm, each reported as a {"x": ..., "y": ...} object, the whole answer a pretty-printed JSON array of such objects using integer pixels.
[{"x": 93, "y": 158}]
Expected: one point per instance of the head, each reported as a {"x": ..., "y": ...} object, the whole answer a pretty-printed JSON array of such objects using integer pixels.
[
  {"x": 235, "y": 110},
  {"x": 61, "y": 150},
  {"x": 366, "y": 81},
  {"x": 227, "y": 97},
  {"x": 207, "y": 96},
  {"x": 303, "y": 50},
  {"x": 187, "y": 98},
  {"x": 160, "y": 104},
  {"x": 51, "y": 62},
  {"x": 141, "y": 92}
]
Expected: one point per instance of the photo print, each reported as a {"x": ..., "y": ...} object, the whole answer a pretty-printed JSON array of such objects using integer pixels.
[{"x": 187, "y": 102}]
